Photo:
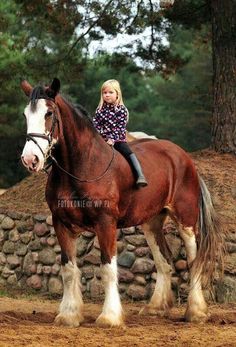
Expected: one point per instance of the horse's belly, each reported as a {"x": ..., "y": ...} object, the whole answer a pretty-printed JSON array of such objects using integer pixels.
[{"x": 145, "y": 204}]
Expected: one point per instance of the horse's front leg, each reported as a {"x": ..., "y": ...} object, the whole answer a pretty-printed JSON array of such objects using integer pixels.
[
  {"x": 112, "y": 311},
  {"x": 70, "y": 311}
]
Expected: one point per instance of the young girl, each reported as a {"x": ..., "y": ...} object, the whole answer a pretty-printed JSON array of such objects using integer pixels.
[{"x": 110, "y": 120}]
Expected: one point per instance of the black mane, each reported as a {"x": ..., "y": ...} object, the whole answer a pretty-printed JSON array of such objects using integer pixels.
[{"x": 36, "y": 94}]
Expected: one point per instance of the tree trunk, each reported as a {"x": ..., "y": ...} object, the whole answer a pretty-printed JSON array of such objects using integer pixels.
[{"x": 224, "y": 75}]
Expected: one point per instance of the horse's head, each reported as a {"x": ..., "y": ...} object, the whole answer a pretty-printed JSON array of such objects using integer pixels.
[{"x": 42, "y": 128}]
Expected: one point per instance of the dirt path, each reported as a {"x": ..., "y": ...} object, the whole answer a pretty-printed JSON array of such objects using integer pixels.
[{"x": 30, "y": 323}]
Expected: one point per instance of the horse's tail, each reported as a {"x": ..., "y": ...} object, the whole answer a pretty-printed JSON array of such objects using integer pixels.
[{"x": 211, "y": 238}]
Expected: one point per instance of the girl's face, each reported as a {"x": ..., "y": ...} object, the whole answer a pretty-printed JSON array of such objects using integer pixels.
[{"x": 109, "y": 95}]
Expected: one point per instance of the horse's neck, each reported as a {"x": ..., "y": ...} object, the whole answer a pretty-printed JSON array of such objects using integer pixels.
[{"x": 80, "y": 145}]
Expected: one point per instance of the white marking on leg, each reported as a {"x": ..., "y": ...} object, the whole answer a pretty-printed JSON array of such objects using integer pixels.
[
  {"x": 189, "y": 238},
  {"x": 196, "y": 306},
  {"x": 112, "y": 310},
  {"x": 70, "y": 312},
  {"x": 162, "y": 297}
]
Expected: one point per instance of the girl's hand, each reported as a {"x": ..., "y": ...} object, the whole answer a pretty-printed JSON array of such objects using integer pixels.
[{"x": 110, "y": 142}]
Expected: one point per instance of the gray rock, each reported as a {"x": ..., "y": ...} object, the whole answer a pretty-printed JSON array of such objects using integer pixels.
[
  {"x": 125, "y": 275},
  {"x": 49, "y": 220},
  {"x": 24, "y": 226},
  {"x": 2, "y": 236},
  {"x": 231, "y": 247},
  {"x": 226, "y": 290},
  {"x": 27, "y": 263},
  {"x": 40, "y": 218},
  {"x": 82, "y": 245},
  {"x": 13, "y": 261},
  {"x": 174, "y": 243},
  {"x": 56, "y": 269},
  {"x": 26, "y": 237},
  {"x": 39, "y": 269},
  {"x": 35, "y": 245},
  {"x": 181, "y": 265},
  {"x": 142, "y": 251},
  {"x": 14, "y": 215},
  {"x": 231, "y": 237},
  {"x": 35, "y": 256},
  {"x": 12, "y": 280},
  {"x": 137, "y": 292},
  {"x": 2, "y": 216},
  {"x": 120, "y": 246},
  {"x": 230, "y": 264},
  {"x": 6, "y": 272},
  {"x": 88, "y": 234},
  {"x": 88, "y": 272},
  {"x": 14, "y": 235},
  {"x": 96, "y": 243},
  {"x": 126, "y": 259},
  {"x": 94, "y": 257},
  {"x": 41, "y": 229},
  {"x": 128, "y": 231},
  {"x": 47, "y": 256},
  {"x": 136, "y": 240},
  {"x": 140, "y": 280},
  {"x": 33, "y": 269},
  {"x": 34, "y": 282},
  {"x": 47, "y": 269},
  {"x": 55, "y": 286},
  {"x": 8, "y": 247},
  {"x": 3, "y": 259},
  {"x": 143, "y": 265},
  {"x": 96, "y": 288},
  {"x": 130, "y": 248},
  {"x": 43, "y": 241},
  {"x": 51, "y": 241},
  {"x": 57, "y": 249},
  {"x": 7, "y": 223}
]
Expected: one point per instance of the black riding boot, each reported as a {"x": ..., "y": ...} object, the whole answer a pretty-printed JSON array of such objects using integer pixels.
[{"x": 141, "y": 180}]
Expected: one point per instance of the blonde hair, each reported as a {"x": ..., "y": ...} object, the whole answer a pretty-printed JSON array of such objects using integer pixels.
[{"x": 116, "y": 86}]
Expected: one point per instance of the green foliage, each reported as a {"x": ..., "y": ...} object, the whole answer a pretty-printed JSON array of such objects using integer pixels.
[{"x": 36, "y": 40}]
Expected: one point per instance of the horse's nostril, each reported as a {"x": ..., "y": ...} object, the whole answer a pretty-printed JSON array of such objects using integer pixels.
[
  {"x": 23, "y": 160},
  {"x": 36, "y": 159}
]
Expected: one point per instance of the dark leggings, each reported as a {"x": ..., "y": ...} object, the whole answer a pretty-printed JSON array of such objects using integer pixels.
[{"x": 123, "y": 148}]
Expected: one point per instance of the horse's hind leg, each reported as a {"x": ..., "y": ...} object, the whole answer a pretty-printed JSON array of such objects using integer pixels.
[
  {"x": 185, "y": 213},
  {"x": 162, "y": 298},
  {"x": 196, "y": 305},
  {"x": 70, "y": 311}
]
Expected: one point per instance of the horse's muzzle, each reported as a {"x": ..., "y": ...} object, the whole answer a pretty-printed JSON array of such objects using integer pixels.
[{"x": 30, "y": 162}]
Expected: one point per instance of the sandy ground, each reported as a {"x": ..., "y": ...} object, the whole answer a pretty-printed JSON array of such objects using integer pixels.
[{"x": 29, "y": 322}]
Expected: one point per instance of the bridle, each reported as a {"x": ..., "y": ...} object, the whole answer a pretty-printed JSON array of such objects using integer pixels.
[{"x": 49, "y": 138}]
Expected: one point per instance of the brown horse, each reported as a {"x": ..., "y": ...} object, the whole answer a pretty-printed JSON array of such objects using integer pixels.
[{"x": 92, "y": 187}]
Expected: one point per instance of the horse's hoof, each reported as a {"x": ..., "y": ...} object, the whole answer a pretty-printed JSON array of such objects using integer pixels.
[
  {"x": 153, "y": 311},
  {"x": 109, "y": 320},
  {"x": 196, "y": 317},
  {"x": 71, "y": 320}
]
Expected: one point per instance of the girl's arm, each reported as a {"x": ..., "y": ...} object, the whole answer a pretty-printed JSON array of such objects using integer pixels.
[
  {"x": 118, "y": 124},
  {"x": 97, "y": 120}
]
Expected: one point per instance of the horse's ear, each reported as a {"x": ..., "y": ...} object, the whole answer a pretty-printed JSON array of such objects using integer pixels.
[
  {"x": 26, "y": 87},
  {"x": 54, "y": 88}
]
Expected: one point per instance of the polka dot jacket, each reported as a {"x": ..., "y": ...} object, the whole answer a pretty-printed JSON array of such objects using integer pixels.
[{"x": 110, "y": 121}]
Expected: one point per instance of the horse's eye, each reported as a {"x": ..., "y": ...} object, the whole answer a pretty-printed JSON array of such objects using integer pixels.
[{"x": 48, "y": 114}]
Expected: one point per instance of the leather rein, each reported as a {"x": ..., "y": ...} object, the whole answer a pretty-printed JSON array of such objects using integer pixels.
[{"x": 49, "y": 138}]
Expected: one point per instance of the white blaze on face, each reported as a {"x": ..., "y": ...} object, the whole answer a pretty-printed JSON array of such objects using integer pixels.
[{"x": 32, "y": 157}]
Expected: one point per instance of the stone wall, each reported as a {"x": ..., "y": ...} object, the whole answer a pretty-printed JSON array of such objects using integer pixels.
[{"x": 30, "y": 258}]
